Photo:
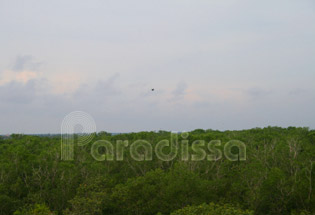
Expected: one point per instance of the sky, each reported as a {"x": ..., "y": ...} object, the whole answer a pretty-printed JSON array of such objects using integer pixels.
[{"x": 219, "y": 64}]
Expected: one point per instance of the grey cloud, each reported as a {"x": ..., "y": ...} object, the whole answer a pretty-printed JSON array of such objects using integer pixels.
[
  {"x": 101, "y": 89},
  {"x": 109, "y": 87},
  {"x": 257, "y": 92},
  {"x": 18, "y": 93},
  {"x": 297, "y": 91},
  {"x": 180, "y": 90},
  {"x": 34, "y": 95},
  {"x": 25, "y": 62}
]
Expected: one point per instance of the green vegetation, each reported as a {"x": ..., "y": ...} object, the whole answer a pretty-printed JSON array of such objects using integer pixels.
[
  {"x": 276, "y": 178},
  {"x": 213, "y": 209}
]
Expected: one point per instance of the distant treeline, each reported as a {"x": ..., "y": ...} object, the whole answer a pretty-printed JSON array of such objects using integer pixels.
[{"x": 277, "y": 176}]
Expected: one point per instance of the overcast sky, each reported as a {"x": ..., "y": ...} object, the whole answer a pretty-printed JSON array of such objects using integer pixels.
[{"x": 218, "y": 64}]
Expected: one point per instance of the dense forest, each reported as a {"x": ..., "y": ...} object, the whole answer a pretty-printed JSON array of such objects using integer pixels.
[{"x": 277, "y": 176}]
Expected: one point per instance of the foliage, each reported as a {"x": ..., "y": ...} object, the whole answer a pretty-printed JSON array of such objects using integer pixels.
[
  {"x": 276, "y": 178},
  {"x": 37, "y": 209},
  {"x": 212, "y": 209}
]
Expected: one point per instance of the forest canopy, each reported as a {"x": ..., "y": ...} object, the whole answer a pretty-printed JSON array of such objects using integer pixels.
[{"x": 277, "y": 176}]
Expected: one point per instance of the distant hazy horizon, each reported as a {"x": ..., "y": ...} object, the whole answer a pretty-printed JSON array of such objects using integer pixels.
[
  {"x": 117, "y": 133},
  {"x": 222, "y": 65}
]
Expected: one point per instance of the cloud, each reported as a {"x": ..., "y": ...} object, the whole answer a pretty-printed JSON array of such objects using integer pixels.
[
  {"x": 24, "y": 69},
  {"x": 18, "y": 93},
  {"x": 99, "y": 90},
  {"x": 180, "y": 90},
  {"x": 21, "y": 77},
  {"x": 257, "y": 92},
  {"x": 297, "y": 92},
  {"x": 65, "y": 83},
  {"x": 22, "y": 84},
  {"x": 25, "y": 62}
]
